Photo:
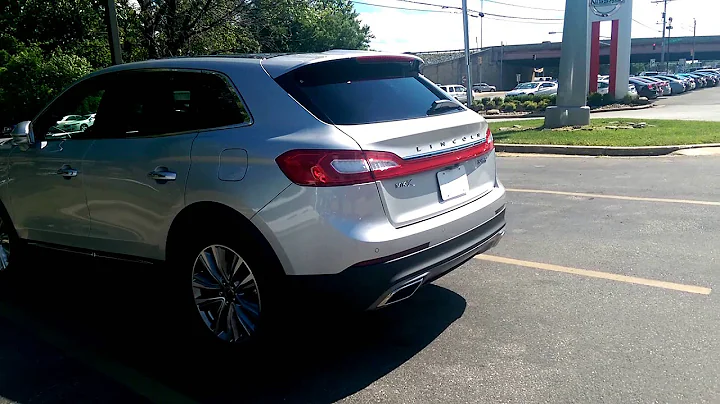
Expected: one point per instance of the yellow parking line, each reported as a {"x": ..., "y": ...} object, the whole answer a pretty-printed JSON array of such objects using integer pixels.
[
  {"x": 625, "y": 198},
  {"x": 596, "y": 274}
]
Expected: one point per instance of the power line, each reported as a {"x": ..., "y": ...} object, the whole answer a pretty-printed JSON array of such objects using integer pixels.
[
  {"x": 646, "y": 26},
  {"x": 513, "y": 19},
  {"x": 527, "y": 7},
  {"x": 406, "y": 8},
  {"x": 479, "y": 12}
]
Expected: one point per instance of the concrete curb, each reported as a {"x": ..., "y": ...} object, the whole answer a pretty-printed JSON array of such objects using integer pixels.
[
  {"x": 600, "y": 111},
  {"x": 596, "y": 111},
  {"x": 597, "y": 150}
]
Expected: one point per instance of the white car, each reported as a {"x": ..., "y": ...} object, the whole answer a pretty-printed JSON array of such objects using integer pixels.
[
  {"x": 456, "y": 91},
  {"x": 604, "y": 87},
  {"x": 75, "y": 123},
  {"x": 535, "y": 88}
]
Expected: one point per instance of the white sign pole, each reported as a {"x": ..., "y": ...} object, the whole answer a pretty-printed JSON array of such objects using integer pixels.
[{"x": 574, "y": 69}]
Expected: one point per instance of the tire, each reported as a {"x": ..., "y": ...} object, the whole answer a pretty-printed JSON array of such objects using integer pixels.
[
  {"x": 11, "y": 247},
  {"x": 223, "y": 309},
  {"x": 83, "y": 127}
]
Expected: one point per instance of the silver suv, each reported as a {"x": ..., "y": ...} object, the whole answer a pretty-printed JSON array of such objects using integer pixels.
[{"x": 341, "y": 174}]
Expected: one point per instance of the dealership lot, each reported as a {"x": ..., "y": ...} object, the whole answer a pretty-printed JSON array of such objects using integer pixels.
[{"x": 602, "y": 290}]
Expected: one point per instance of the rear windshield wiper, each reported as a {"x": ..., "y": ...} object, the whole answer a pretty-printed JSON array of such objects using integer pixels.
[{"x": 439, "y": 106}]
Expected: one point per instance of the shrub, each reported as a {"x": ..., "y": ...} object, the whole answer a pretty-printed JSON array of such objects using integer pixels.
[
  {"x": 508, "y": 107},
  {"x": 595, "y": 99},
  {"x": 608, "y": 99},
  {"x": 477, "y": 106},
  {"x": 498, "y": 100},
  {"x": 530, "y": 105},
  {"x": 485, "y": 101},
  {"x": 490, "y": 104},
  {"x": 628, "y": 99},
  {"x": 542, "y": 105}
]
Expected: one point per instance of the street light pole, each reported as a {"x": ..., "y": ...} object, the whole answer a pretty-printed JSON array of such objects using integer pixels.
[
  {"x": 482, "y": 15},
  {"x": 113, "y": 33},
  {"x": 468, "y": 90}
]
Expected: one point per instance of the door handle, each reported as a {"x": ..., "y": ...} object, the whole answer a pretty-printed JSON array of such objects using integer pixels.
[
  {"x": 67, "y": 171},
  {"x": 162, "y": 174}
]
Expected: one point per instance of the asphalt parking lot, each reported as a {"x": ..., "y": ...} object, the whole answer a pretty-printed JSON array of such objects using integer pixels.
[{"x": 601, "y": 291}]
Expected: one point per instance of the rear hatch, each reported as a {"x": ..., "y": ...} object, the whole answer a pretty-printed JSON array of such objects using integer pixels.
[{"x": 429, "y": 154}]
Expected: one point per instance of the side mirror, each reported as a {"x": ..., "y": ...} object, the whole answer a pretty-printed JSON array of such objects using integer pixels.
[{"x": 22, "y": 135}]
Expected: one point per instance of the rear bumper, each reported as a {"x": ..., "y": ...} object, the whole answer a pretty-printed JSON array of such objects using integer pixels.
[{"x": 369, "y": 287}]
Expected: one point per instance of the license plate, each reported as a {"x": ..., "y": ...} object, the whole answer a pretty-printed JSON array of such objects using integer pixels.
[{"x": 453, "y": 183}]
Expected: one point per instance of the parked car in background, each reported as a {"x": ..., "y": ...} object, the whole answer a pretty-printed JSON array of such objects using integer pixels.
[
  {"x": 604, "y": 88},
  {"x": 645, "y": 88},
  {"x": 664, "y": 85},
  {"x": 632, "y": 90},
  {"x": 711, "y": 78},
  {"x": 544, "y": 79},
  {"x": 75, "y": 123},
  {"x": 689, "y": 82},
  {"x": 700, "y": 81},
  {"x": 677, "y": 86},
  {"x": 456, "y": 91},
  {"x": 338, "y": 177},
  {"x": 535, "y": 88},
  {"x": 484, "y": 87}
]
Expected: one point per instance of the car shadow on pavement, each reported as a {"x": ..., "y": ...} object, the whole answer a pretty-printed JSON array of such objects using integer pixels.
[{"x": 120, "y": 312}]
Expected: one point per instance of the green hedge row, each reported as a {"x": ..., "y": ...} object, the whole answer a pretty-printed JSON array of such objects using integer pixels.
[{"x": 526, "y": 103}]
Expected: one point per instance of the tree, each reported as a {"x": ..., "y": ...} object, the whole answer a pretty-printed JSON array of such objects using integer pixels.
[
  {"x": 30, "y": 79},
  {"x": 46, "y": 45}
]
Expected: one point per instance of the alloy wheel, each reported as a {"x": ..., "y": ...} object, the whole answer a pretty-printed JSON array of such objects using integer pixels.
[
  {"x": 226, "y": 293},
  {"x": 4, "y": 246}
]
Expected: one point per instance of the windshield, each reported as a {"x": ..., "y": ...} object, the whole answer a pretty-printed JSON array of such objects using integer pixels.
[{"x": 525, "y": 86}]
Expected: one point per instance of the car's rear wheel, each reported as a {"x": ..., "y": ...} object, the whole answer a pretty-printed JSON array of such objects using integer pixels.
[
  {"x": 226, "y": 294},
  {"x": 12, "y": 248},
  {"x": 6, "y": 243},
  {"x": 228, "y": 285}
]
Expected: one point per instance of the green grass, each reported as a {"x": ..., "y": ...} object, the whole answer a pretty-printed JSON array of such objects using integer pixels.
[{"x": 658, "y": 133}]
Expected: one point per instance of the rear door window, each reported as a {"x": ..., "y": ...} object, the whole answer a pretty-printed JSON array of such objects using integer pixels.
[{"x": 350, "y": 92}]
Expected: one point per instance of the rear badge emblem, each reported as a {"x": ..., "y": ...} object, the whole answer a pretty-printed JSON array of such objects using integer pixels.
[{"x": 405, "y": 184}]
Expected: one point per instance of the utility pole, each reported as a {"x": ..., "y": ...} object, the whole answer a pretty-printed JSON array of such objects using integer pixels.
[
  {"x": 113, "y": 33},
  {"x": 669, "y": 28},
  {"x": 468, "y": 89},
  {"x": 502, "y": 56},
  {"x": 693, "y": 48},
  {"x": 664, "y": 23}
]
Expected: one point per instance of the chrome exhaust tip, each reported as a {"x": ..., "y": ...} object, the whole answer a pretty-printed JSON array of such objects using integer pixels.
[{"x": 402, "y": 291}]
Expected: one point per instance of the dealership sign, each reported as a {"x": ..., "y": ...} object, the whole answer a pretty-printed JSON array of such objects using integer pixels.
[{"x": 605, "y": 8}]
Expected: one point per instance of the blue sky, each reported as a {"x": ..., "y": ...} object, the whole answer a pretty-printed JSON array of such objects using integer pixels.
[{"x": 403, "y": 31}]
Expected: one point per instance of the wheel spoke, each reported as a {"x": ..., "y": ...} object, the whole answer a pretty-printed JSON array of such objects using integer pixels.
[
  {"x": 246, "y": 284},
  {"x": 249, "y": 306},
  {"x": 232, "y": 324},
  {"x": 246, "y": 323},
  {"x": 203, "y": 302},
  {"x": 208, "y": 260},
  {"x": 219, "y": 254},
  {"x": 236, "y": 265},
  {"x": 220, "y": 319},
  {"x": 202, "y": 282}
]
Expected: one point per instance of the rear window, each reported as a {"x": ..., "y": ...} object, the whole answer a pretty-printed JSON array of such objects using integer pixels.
[{"x": 350, "y": 92}]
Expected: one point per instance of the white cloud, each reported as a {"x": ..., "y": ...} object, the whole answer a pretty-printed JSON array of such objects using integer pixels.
[{"x": 403, "y": 31}]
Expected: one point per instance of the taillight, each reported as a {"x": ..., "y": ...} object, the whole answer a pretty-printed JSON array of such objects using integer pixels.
[{"x": 328, "y": 168}]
